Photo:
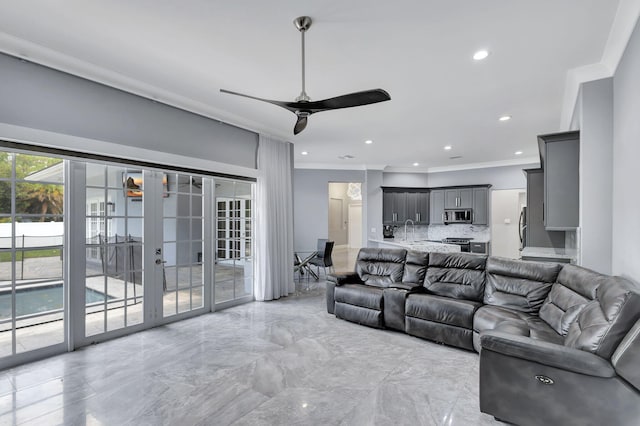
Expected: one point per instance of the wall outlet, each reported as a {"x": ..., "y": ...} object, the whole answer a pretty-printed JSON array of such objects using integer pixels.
[
  {"x": 373, "y": 230},
  {"x": 507, "y": 221}
]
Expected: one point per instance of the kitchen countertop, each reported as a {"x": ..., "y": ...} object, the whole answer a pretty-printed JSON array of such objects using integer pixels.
[
  {"x": 550, "y": 252},
  {"x": 420, "y": 245}
]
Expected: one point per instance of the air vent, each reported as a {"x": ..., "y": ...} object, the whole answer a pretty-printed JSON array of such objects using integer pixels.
[
  {"x": 455, "y": 157},
  {"x": 346, "y": 157}
]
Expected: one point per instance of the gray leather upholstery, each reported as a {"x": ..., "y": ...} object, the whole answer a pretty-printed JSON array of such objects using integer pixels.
[
  {"x": 511, "y": 389},
  {"x": 359, "y": 303},
  {"x": 329, "y": 295},
  {"x": 444, "y": 310},
  {"x": 380, "y": 267},
  {"x": 359, "y": 295},
  {"x": 548, "y": 332},
  {"x": 547, "y": 353},
  {"x": 442, "y": 319},
  {"x": 602, "y": 323},
  {"x": 340, "y": 278},
  {"x": 518, "y": 323},
  {"x": 625, "y": 359},
  {"x": 519, "y": 286},
  {"x": 415, "y": 267},
  {"x": 456, "y": 275}
]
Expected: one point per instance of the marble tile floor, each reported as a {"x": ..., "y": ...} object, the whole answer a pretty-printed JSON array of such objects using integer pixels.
[{"x": 284, "y": 362}]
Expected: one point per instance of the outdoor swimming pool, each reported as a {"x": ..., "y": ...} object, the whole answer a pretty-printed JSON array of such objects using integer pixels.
[{"x": 40, "y": 299}]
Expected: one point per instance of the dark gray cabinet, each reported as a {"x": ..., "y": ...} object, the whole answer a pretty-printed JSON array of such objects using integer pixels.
[
  {"x": 437, "y": 201},
  {"x": 458, "y": 198},
  {"x": 400, "y": 204},
  {"x": 394, "y": 207},
  {"x": 418, "y": 207},
  {"x": 536, "y": 234},
  {"x": 480, "y": 214},
  {"x": 560, "y": 160}
]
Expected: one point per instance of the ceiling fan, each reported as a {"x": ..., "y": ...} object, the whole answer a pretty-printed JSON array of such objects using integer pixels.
[{"x": 303, "y": 106}]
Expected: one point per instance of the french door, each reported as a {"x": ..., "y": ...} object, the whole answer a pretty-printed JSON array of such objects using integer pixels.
[
  {"x": 94, "y": 250},
  {"x": 147, "y": 248}
]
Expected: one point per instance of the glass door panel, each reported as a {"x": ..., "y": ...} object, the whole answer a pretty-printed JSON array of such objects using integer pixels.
[
  {"x": 234, "y": 242},
  {"x": 114, "y": 248},
  {"x": 31, "y": 246},
  {"x": 183, "y": 243}
]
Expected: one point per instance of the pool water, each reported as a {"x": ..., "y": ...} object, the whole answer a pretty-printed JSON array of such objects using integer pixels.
[{"x": 40, "y": 299}]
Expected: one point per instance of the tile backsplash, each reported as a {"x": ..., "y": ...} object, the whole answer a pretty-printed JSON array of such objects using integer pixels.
[{"x": 439, "y": 232}]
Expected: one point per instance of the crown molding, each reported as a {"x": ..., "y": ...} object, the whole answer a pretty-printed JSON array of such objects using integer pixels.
[{"x": 624, "y": 24}]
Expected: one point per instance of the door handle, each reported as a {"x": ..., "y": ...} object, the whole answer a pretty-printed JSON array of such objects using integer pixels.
[{"x": 160, "y": 261}]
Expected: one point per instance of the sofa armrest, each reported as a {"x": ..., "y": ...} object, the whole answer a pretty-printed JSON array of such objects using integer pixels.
[
  {"x": 551, "y": 354},
  {"x": 340, "y": 278}
]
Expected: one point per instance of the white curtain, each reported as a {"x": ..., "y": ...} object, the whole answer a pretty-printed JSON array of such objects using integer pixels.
[{"x": 274, "y": 220}]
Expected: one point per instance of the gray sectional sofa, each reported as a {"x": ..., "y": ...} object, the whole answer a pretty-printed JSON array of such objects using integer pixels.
[{"x": 559, "y": 344}]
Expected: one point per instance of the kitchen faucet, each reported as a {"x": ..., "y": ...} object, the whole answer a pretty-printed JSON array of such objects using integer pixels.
[{"x": 413, "y": 230}]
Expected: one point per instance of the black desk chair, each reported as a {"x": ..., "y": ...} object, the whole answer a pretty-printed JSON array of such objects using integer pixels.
[{"x": 323, "y": 257}]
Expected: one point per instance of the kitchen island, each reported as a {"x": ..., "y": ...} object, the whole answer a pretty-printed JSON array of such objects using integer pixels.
[{"x": 419, "y": 245}]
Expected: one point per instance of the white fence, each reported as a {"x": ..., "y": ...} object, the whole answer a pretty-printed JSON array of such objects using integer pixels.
[{"x": 32, "y": 234}]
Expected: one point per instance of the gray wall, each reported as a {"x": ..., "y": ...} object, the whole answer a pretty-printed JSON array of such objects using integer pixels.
[
  {"x": 373, "y": 225},
  {"x": 37, "y": 97},
  {"x": 505, "y": 177},
  {"x": 311, "y": 203},
  {"x": 596, "y": 174},
  {"x": 626, "y": 159}
]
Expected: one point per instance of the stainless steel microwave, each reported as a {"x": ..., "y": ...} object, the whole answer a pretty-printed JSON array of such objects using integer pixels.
[{"x": 457, "y": 216}]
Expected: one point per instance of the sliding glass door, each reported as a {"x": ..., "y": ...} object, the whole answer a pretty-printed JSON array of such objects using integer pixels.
[
  {"x": 127, "y": 248},
  {"x": 32, "y": 282}
]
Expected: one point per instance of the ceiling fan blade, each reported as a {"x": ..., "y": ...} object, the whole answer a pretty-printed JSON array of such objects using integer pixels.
[
  {"x": 281, "y": 104},
  {"x": 350, "y": 100},
  {"x": 301, "y": 124}
]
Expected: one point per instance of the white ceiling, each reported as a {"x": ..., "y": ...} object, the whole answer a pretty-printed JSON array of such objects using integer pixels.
[{"x": 183, "y": 52}]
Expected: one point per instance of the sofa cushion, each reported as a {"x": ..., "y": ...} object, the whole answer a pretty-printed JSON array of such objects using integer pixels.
[
  {"x": 517, "y": 285},
  {"x": 415, "y": 267},
  {"x": 380, "y": 267},
  {"x": 514, "y": 322},
  {"x": 441, "y": 309},
  {"x": 602, "y": 323},
  {"x": 456, "y": 275},
  {"x": 359, "y": 295},
  {"x": 562, "y": 307}
]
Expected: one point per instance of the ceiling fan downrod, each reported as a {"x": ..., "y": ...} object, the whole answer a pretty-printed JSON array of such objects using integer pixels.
[{"x": 303, "y": 23}]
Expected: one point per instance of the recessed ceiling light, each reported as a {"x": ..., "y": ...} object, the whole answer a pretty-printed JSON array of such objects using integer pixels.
[
  {"x": 480, "y": 55},
  {"x": 304, "y": 153},
  {"x": 505, "y": 118},
  {"x": 368, "y": 142},
  {"x": 518, "y": 153},
  {"x": 448, "y": 148},
  {"x": 416, "y": 164}
]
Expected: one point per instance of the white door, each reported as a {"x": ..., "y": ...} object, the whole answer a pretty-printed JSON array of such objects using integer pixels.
[{"x": 355, "y": 225}]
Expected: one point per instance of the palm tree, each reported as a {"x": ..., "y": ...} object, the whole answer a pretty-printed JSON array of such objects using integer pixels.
[{"x": 43, "y": 199}]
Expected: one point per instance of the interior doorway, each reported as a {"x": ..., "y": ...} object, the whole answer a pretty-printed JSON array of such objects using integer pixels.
[
  {"x": 345, "y": 220},
  {"x": 505, "y": 212}
]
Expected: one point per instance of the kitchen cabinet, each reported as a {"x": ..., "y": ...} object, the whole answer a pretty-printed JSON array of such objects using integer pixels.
[
  {"x": 458, "y": 198},
  {"x": 418, "y": 207},
  {"x": 400, "y": 204},
  {"x": 394, "y": 207},
  {"x": 536, "y": 234},
  {"x": 560, "y": 160},
  {"x": 480, "y": 214},
  {"x": 437, "y": 207}
]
